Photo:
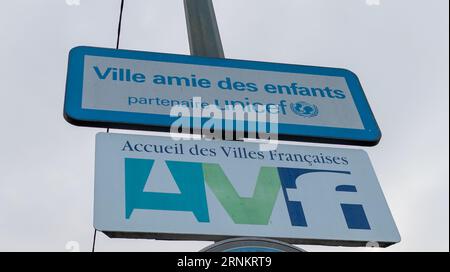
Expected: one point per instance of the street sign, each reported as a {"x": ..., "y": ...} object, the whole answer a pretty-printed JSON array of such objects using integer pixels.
[
  {"x": 156, "y": 187},
  {"x": 137, "y": 90},
  {"x": 251, "y": 245}
]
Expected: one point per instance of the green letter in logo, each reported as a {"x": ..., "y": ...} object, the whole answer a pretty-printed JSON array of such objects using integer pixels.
[{"x": 243, "y": 210}]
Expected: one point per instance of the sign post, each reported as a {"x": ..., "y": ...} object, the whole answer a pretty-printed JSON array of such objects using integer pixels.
[{"x": 203, "y": 32}]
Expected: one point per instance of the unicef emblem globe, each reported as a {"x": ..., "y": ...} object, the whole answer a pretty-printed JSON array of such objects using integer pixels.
[{"x": 304, "y": 109}]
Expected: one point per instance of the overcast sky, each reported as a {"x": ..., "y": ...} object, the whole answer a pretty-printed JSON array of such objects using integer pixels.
[{"x": 399, "y": 49}]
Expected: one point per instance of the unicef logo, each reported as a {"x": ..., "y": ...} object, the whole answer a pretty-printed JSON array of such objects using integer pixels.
[{"x": 304, "y": 109}]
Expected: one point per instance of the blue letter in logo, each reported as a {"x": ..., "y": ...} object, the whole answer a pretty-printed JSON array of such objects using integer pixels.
[
  {"x": 288, "y": 177},
  {"x": 354, "y": 213},
  {"x": 192, "y": 195}
]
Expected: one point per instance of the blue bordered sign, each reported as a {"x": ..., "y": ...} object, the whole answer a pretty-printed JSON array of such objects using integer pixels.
[{"x": 137, "y": 90}]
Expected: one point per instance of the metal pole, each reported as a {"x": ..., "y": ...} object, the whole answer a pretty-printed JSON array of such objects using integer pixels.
[{"x": 203, "y": 33}]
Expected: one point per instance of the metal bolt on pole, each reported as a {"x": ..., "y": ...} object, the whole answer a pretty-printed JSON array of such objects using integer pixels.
[{"x": 203, "y": 32}]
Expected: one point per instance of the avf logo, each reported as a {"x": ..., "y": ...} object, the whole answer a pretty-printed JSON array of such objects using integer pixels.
[{"x": 193, "y": 177}]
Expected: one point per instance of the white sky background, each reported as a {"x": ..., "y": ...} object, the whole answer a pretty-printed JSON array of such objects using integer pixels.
[{"x": 399, "y": 49}]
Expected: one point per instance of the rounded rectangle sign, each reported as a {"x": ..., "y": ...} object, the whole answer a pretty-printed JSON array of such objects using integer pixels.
[
  {"x": 156, "y": 187},
  {"x": 139, "y": 90}
]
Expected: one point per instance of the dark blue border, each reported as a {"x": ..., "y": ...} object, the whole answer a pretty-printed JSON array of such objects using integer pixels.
[{"x": 75, "y": 114}]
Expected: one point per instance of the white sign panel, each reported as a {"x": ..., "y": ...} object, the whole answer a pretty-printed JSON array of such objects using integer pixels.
[{"x": 156, "y": 187}]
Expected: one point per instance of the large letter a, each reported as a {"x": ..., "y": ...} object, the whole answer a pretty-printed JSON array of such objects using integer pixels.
[{"x": 192, "y": 187}]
